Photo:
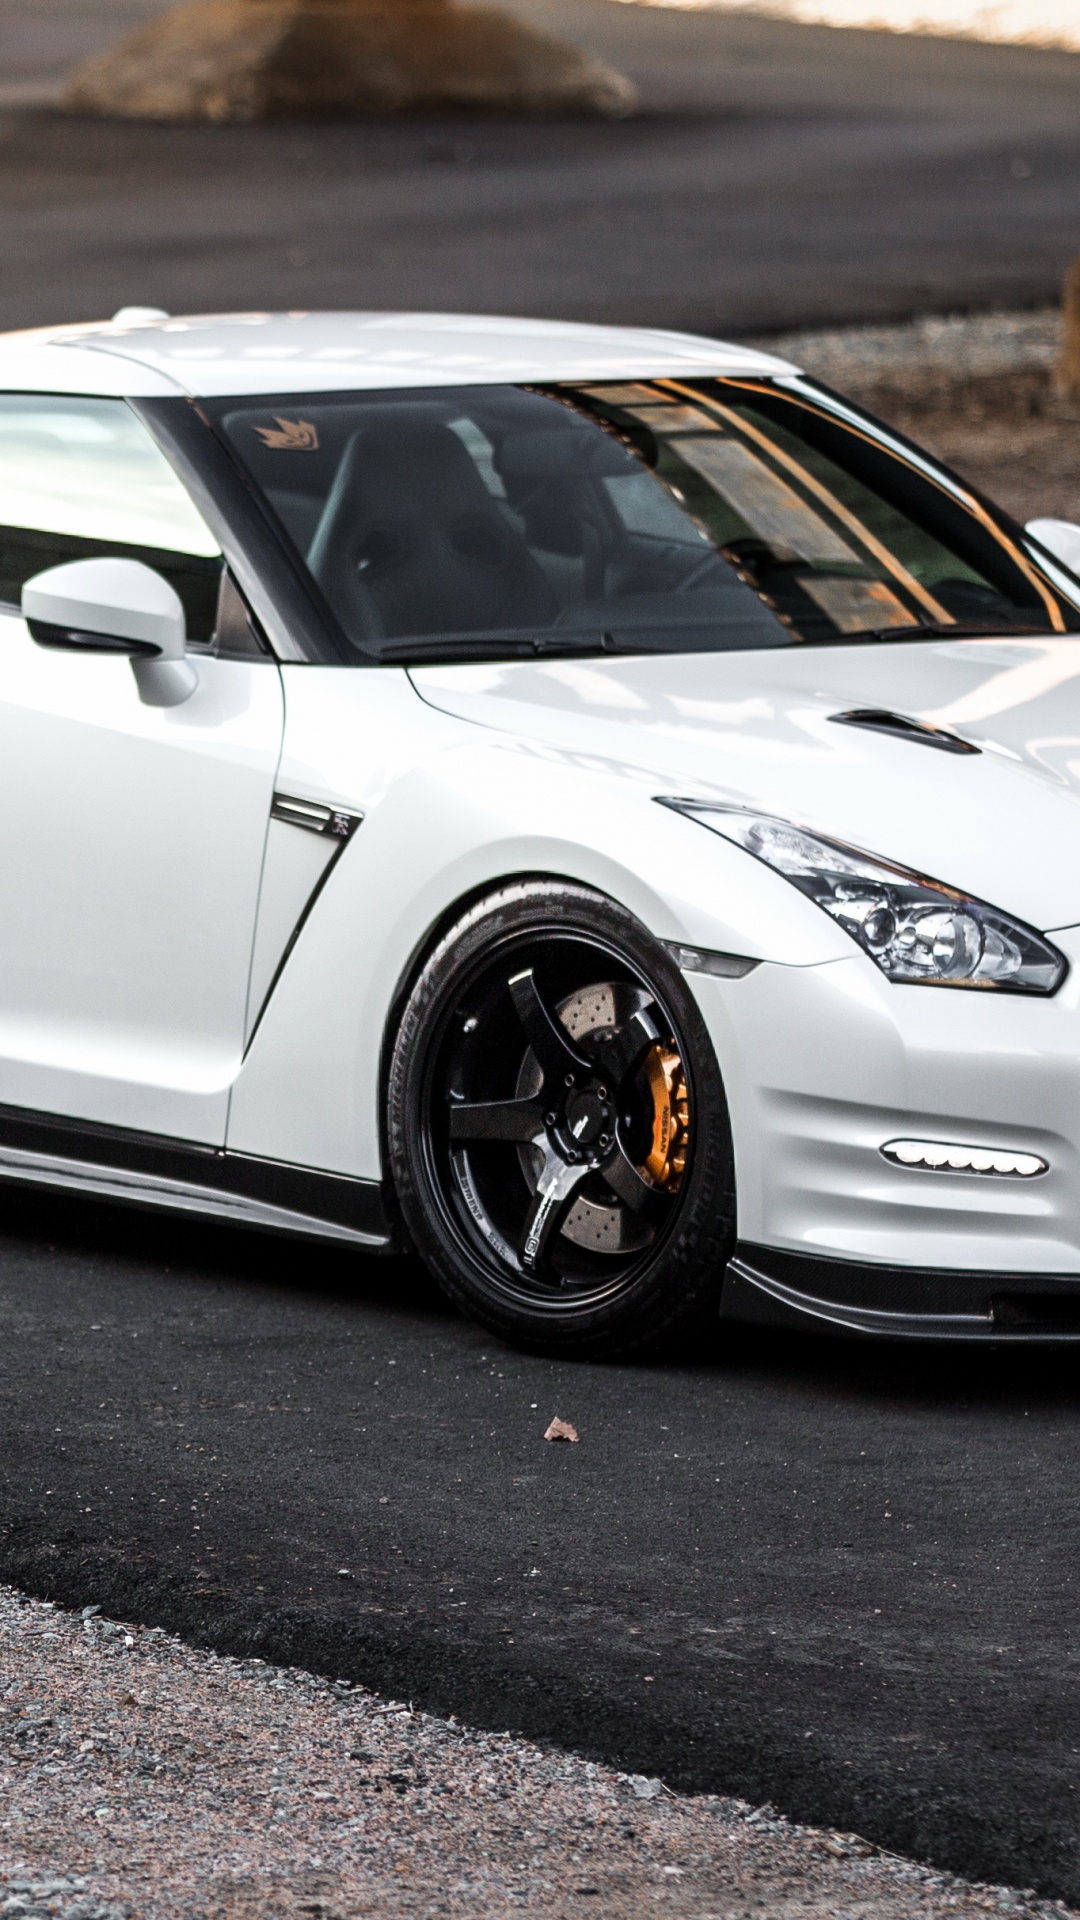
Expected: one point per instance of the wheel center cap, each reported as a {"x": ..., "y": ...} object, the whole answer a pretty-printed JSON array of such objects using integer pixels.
[{"x": 586, "y": 1118}]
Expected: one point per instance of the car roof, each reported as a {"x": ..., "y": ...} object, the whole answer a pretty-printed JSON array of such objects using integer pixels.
[{"x": 278, "y": 353}]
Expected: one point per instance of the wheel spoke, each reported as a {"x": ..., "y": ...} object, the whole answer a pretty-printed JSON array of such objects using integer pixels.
[
  {"x": 546, "y": 1035},
  {"x": 555, "y": 1194},
  {"x": 626, "y": 1183},
  {"x": 520, "y": 1120},
  {"x": 618, "y": 1050}
]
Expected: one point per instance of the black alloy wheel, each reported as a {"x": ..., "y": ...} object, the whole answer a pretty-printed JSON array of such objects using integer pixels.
[{"x": 558, "y": 1135}]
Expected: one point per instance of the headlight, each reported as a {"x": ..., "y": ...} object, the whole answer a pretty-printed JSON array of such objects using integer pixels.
[{"x": 916, "y": 930}]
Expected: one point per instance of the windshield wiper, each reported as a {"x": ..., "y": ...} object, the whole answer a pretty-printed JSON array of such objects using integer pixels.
[
  {"x": 949, "y": 630},
  {"x": 504, "y": 646},
  {"x": 565, "y": 643}
]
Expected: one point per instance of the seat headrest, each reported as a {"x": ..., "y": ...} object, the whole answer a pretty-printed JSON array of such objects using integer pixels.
[{"x": 578, "y": 453}]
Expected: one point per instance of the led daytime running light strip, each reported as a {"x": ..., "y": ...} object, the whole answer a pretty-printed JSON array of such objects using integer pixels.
[{"x": 939, "y": 1156}]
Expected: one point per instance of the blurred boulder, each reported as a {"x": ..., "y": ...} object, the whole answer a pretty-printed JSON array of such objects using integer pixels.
[{"x": 245, "y": 60}]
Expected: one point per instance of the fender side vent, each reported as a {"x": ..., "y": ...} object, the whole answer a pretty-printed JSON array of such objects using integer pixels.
[{"x": 313, "y": 817}]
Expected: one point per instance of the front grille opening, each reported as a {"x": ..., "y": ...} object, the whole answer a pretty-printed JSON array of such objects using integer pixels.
[{"x": 1039, "y": 1312}]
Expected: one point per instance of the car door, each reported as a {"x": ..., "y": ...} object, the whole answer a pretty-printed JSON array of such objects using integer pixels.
[{"x": 131, "y": 836}]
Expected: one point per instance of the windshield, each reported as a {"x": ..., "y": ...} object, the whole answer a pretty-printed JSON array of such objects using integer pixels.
[{"x": 648, "y": 516}]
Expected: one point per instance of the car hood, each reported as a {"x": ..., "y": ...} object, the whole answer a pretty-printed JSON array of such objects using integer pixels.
[{"x": 757, "y": 728}]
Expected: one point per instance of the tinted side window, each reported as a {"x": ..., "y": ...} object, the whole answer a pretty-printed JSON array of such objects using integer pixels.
[{"x": 81, "y": 478}]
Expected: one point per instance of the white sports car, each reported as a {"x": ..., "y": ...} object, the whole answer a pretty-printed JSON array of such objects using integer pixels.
[{"x": 592, "y": 805}]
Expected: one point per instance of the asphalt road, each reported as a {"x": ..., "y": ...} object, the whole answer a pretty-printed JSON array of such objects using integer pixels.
[
  {"x": 778, "y": 174},
  {"x": 837, "y": 1578}
]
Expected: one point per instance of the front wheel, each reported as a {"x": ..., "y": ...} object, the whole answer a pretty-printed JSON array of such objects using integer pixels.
[{"x": 558, "y": 1134}]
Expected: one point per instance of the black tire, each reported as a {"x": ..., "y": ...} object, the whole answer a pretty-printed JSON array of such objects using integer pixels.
[{"x": 558, "y": 1134}]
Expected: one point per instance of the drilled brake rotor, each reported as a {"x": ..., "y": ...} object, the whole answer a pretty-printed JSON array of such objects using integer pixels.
[{"x": 600, "y": 1225}]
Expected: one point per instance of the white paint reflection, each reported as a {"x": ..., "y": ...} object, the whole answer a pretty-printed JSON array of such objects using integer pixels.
[
  {"x": 593, "y": 687},
  {"x": 1050, "y": 664},
  {"x": 720, "y": 713}
]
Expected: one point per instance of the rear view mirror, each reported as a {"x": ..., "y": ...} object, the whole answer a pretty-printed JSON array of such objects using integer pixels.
[
  {"x": 115, "y": 606},
  {"x": 1059, "y": 537}
]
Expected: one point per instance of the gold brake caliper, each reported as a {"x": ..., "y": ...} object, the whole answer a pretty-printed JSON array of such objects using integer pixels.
[{"x": 666, "y": 1162}]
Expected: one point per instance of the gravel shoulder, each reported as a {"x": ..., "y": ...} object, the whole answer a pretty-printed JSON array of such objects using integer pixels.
[{"x": 140, "y": 1777}]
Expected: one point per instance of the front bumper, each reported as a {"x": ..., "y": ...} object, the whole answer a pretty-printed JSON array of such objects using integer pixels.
[
  {"x": 825, "y": 1065},
  {"x": 763, "y": 1287}
]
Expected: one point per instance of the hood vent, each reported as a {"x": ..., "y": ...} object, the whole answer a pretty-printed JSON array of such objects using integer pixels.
[{"x": 902, "y": 727}]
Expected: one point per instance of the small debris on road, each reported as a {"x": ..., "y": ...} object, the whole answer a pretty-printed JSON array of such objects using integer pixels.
[{"x": 562, "y": 1430}]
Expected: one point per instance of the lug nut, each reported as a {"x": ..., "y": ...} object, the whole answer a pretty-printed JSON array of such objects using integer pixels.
[
  {"x": 569, "y": 1079},
  {"x": 549, "y": 1119}
]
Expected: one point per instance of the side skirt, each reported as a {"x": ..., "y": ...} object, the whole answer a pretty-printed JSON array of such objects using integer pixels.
[{"x": 181, "y": 1176}]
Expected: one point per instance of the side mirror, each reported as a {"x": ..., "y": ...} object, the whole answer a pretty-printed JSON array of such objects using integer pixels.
[
  {"x": 115, "y": 606},
  {"x": 1059, "y": 537}
]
